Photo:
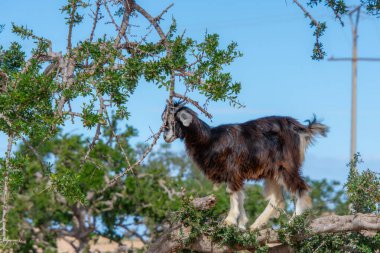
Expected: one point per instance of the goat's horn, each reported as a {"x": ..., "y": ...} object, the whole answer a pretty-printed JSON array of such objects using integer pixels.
[
  {"x": 182, "y": 103},
  {"x": 179, "y": 106}
]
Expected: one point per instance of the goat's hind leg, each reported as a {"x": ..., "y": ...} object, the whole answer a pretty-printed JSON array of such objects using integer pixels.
[
  {"x": 303, "y": 202},
  {"x": 272, "y": 191},
  {"x": 301, "y": 195}
]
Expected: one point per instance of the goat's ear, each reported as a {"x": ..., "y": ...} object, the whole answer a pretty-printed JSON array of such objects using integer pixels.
[{"x": 185, "y": 117}]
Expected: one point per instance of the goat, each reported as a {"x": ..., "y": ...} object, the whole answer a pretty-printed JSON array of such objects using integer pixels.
[{"x": 270, "y": 148}]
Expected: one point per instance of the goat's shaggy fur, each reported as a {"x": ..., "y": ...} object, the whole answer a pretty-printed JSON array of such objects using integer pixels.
[{"x": 270, "y": 148}]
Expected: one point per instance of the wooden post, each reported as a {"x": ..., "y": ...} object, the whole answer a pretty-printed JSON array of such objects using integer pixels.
[
  {"x": 354, "y": 60},
  {"x": 354, "y": 79}
]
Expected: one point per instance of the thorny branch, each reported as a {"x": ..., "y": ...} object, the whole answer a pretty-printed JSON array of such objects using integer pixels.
[
  {"x": 128, "y": 6},
  {"x": 307, "y": 13},
  {"x": 130, "y": 168},
  {"x": 71, "y": 25},
  {"x": 111, "y": 16},
  {"x": 193, "y": 102},
  {"x": 96, "y": 17},
  {"x": 102, "y": 107}
]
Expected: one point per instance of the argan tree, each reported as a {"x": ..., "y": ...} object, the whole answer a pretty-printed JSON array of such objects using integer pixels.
[{"x": 40, "y": 89}]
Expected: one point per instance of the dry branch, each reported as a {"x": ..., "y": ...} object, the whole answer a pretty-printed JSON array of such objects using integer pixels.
[{"x": 172, "y": 239}]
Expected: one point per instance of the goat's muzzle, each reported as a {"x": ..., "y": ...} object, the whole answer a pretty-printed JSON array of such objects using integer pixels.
[{"x": 169, "y": 135}]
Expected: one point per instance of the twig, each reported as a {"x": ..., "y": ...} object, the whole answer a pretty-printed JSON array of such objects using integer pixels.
[
  {"x": 134, "y": 232},
  {"x": 68, "y": 66},
  {"x": 169, "y": 192},
  {"x": 164, "y": 39},
  {"x": 147, "y": 151},
  {"x": 315, "y": 22},
  {"x": 111, "y": 16},
  {"x": 97, "y": 132},
  {"x": 71, "y": 25},
  {"x": 96, "y": 19},
  {"x": 117, "y": 140},
  {"x": 159, "y": 17},
  {"x": 128, "y": 6},
  {"x": 195, "y": 103},
  {"x": 156, "y": 26},
  {"x": 318, "y": 52}
]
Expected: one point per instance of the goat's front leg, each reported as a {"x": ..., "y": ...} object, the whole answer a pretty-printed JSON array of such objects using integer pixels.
[{"x": 234, "y": 212}]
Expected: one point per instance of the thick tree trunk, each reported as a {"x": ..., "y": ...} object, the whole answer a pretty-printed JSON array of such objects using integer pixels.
[{"x": 171, "y": 240}]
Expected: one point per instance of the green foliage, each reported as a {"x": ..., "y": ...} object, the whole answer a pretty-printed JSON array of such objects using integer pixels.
[
  {"x": 363, "y": 189},
  {"x": 235, "y": 238},
  {"x": 318, "y": 52},
  {"x": 327, "y": 197},
  {"x": 372, "y": 6},
  {"x": 27, "y": 96},
  {"x": 73, "y": 17},
  {"x": 102, "y": 71},
  {"x": 207, "y": 222},
  {"x": 339, "y": 7},
  {"x": 36, "y": 94}
]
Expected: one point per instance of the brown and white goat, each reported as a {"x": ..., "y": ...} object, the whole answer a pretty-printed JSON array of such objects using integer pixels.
[{"x": 270, "y": 148}]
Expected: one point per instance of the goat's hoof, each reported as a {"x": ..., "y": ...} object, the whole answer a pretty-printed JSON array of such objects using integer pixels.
[
  {"x": 292, "y": 218},
  {"x": 241, "y": 227},
  {"x": 256, "y": 226},
  {"x": 229, "y": 222}
]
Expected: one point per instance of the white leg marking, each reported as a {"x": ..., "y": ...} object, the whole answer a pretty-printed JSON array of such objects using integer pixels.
[
  {"x": 243, "y": 219},
  {"x": 233, "y": 214},
  {"x": 303, "y": 202},
  {"x": 273, "y": 193},
  {"x": 304, "y": 143}
]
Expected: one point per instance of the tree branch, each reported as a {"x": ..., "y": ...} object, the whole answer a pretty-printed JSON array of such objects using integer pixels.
[
  {"x": 195, "y": 103},
  {"x": 307, "y": 14},
  {"x": 128, "y": 6},
  {"x": 6, "y": 189},
  {"x": 71, "y": 25},
  {"x": 172, "y": 239}
]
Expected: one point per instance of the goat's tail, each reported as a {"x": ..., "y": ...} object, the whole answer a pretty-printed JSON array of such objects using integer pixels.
[
  {"x": 315, "y": 127},
  {"x": 307, "y": 136}
]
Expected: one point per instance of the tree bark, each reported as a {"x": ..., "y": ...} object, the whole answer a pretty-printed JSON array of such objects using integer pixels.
[{"x": 171, "y": 240}]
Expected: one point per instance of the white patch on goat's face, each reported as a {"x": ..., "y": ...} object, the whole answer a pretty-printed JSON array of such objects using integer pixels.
[
  {"x": 169, "y": 135},
  {"x": 169, "y": 132}
]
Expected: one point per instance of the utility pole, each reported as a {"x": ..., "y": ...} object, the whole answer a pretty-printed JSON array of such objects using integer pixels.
[{"x": 354, "y": 28}]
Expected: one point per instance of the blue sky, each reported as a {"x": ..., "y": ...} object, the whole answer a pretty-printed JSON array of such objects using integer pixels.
[{"x": 277, "y": 74}]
